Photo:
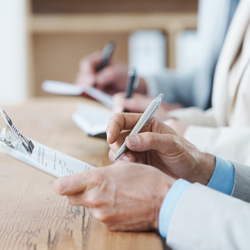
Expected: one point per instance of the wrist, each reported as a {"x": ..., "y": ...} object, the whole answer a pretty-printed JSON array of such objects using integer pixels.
[
  {"x": 162, "y": 190},
  {"x": 206, "y": 165}
]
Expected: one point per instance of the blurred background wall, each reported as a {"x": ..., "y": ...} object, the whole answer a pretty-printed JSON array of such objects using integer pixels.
[
  {"x": 48, "y": 40},
  {"x": 13, "y": 51}
]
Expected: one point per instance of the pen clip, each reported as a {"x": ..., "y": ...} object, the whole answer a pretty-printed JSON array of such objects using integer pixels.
[
  {"x": 150, "y": 116},
  {"x": 10, "y": 135}
]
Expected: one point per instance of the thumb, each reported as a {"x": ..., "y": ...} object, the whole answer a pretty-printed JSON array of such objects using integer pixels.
[
  {"x": 72, "y": 184},
  {"x": 163, "y": 143}
]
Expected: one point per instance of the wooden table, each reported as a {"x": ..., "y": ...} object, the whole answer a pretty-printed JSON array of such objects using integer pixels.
[{"x": 32, "y": 216}]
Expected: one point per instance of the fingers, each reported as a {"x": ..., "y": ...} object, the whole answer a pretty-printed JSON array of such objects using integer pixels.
[
  {"x": 87, "y": 69},
  {"x": 89, "y": 199},
  {"x": 73, "y": 184},
  {"x": 119, "y": 122},
  {"x": 127, "y": 121},
  {"x": 90, "y": 62},
  {"x": 119, "y": 102},
  {"x": 106, "y": 76},
  {"x": 115, "y": 146},
  {"x": 151, "y": 141},
  {"x": 127, "y": 156}
]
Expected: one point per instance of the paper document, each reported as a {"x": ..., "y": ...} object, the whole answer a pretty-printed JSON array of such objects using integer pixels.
[
  {"x": 46, "y": 159},
  {"x": 92, "y": 120},
  {"x": 63, "y": 88}
]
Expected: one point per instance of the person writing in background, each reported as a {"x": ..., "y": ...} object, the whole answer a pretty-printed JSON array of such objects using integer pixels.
[
  {"x": 194, "y": 199},
  {"x": 227, "y": 122},
  {"x": 192, "y": 88}
]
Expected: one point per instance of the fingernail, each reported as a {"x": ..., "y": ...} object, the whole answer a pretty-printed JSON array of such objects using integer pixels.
[
  {"x": 134, "y": 140},
  {"x": 126, "y": 158},
  {"x": 108, "y": 135}
]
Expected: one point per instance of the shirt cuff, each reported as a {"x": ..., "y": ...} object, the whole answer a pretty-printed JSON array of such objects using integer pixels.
[
  {"x": 169, "y": 204},
  {"x": 222, "y": 179}
]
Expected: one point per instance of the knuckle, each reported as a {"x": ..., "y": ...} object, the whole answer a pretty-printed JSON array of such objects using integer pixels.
[
  {"x": 117, "y": 117},
  {"x": 114, "y": 118},
  {"x": 111, "y": 155},
  {"x": 173, "y": 139},
  {"x": 149, "y": 138},
  {"x": 154, "y": 120},
  {"x": 97, "y": 177},
  {"x": 93, "y": 201}
]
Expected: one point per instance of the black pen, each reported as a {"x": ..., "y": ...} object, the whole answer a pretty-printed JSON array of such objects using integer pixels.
[
  {"x": 131, "y": 83},
  {"x": 106, "y": 55}
]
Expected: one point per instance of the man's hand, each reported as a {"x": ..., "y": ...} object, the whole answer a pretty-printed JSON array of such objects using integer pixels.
[
  {"x": 124, "y": 196},
  {"x": 138, "y": 103},
  {"x": 159, "y": 145},
  {"x": 111, "y": 79}
]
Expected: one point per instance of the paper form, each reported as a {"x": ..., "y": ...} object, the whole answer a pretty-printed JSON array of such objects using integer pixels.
[
  {"x": 63, "y": 88},
  {"x": 47, "y": 159},
  {"x": 92, "y": 120}
]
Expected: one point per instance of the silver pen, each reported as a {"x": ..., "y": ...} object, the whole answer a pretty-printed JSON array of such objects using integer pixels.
[{"x": 143, "y": 121}]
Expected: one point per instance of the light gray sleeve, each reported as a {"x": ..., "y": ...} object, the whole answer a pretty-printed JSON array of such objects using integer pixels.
[
  {"x": 194, "y": 87},
  {"x": 207, "y": 219},
  {"x": 241, "y": 188},
  {"x": 176, "y": 86}
]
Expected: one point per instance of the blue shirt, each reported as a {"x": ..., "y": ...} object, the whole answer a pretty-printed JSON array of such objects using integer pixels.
[{"x": 222, "y": 180}]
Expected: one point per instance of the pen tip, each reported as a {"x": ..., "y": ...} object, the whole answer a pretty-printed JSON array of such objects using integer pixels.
[{"x": 118, "y": 155}]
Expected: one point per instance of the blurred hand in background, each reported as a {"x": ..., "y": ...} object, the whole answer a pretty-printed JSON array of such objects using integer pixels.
[
  {"x": 111, "y": 79},
  {"x": 138, "y": 103}
]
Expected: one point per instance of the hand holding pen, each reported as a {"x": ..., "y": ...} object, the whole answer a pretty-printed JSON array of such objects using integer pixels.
[
  {"x": 159, "y": 146},
  {"x": 140, "y": 124},
  {"x": 106, "y": 56},
  {"x": 100, "y": 70}
]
